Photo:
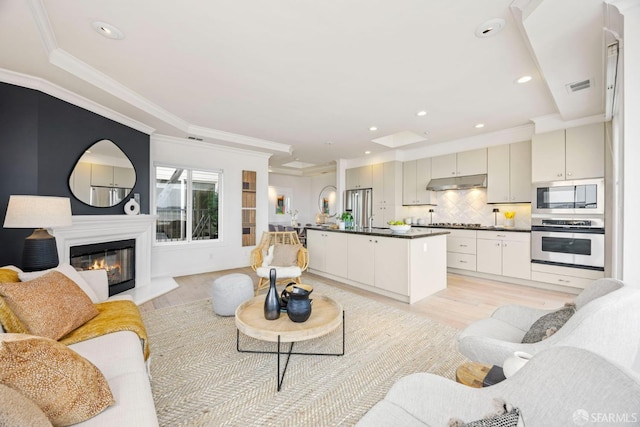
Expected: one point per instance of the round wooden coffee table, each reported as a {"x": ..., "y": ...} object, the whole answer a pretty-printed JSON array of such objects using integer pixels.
[{"x": 326, "y": 316}]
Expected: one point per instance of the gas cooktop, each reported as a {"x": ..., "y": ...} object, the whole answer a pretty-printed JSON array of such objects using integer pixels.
[{"x": 455, "y": 225}]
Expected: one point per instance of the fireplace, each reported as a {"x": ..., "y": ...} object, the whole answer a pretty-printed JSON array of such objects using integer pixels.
[{"x": 118, "y": 258}]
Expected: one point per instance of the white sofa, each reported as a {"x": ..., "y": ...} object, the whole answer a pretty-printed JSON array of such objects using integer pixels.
[{"x": 120, "y": 357}]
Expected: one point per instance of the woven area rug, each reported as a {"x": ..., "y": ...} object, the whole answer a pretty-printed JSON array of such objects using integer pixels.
[{"x": 199, "y": 379}]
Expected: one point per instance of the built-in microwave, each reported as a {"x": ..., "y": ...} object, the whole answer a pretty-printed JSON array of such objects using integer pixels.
[{"x": 585, "y": 196}]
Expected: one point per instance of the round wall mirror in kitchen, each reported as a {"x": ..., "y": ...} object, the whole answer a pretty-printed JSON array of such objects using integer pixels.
[
  {"x": 103, "y": 176},
  {"x": 327, "y": 200}
]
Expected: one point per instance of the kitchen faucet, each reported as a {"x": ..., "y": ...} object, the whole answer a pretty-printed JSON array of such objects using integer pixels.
[{"x": 371, "y": 221}]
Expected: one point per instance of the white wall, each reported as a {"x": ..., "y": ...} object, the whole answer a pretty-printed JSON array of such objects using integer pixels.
[
  {"x": 304, "y": 195},
  {"x": 177, "y": 259},
  {"x": 630, "y": 138}
]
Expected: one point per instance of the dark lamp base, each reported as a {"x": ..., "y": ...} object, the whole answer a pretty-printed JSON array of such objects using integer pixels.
[{"x": 40, "y": 251}]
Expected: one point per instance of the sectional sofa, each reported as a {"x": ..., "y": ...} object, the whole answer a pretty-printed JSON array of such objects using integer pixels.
[{"x": 118, "y": 355}]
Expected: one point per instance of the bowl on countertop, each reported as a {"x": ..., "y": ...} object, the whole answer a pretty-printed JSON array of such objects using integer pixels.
[{"x": 400, "y": 228}]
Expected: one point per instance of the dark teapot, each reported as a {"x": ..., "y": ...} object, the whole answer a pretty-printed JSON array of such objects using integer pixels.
[
  {"x": 298, "y": 302},
  {"x": 284, "y": 295}
]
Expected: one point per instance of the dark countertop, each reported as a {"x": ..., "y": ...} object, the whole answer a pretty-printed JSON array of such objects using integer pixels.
[
  {"x": 413, "y": 233},
  {"x": 482, "y": 228}
]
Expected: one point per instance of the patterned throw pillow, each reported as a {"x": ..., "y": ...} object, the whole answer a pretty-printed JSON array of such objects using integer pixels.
[
  {"x": 67, "y": 387},
  {"x": 68, "y": 271},
  {"x": 505, "y": 416},
  {"x": 50, "y": 306},
  {"x": 548, "y": 324},
  {"x": 17, "y": 410}
]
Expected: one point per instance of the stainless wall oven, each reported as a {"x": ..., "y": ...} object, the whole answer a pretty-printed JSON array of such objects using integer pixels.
[
  {"x": 582, "y": 197},
  {"x": 571, "y": 242}
]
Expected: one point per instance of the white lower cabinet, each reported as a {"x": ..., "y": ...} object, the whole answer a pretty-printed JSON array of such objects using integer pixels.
[
  {"x": 329, "y": 252},
  {"x": 390, "y": 266},
  {"x": 404, "y": 269},
  {"x": 461, "y": 249},
  {"x": 564, "y": 276},
  {"x": 504, "y": 253}
]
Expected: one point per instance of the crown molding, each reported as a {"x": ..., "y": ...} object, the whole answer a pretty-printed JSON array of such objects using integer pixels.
[
  {"x": 41, "y": 18},
  {"x": 207, "y": 145},
  {"x": 44, "y": 86},
  {"x": 553, "y": 122},
  {"x": 62, "y": 59},
  {"x": 201, "y": 131}
]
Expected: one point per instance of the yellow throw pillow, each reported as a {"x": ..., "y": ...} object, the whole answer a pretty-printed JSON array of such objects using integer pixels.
[
  {"x": 50, "y": 306},
  {"x": 8, "y": 320},
  {"x": 67, "y": 387},
  {"x": 285, "y": 255}
]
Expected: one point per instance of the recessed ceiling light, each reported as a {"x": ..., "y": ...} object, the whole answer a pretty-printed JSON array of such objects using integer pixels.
[
  {"x": 490, "y": 28},
  {"x": 421, "y": 113},
  {"x": 107, "y": 30},
  {"x": 373, "y": 128},
  {"x": 479, "y": 125},
  {"x": 524, "y": 79},
  {"x": 367, "y": 152}
]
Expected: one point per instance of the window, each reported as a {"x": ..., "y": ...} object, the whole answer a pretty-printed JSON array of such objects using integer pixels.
[{"x": 187, "y": 204}]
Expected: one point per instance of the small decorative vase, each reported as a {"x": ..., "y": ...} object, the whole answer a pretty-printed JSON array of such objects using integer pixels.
[
  {"x": 272, "y": 301},
  {"x": 299, "y": 305}
]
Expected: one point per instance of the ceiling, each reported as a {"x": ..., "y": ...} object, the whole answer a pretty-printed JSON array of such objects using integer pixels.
[{"x": 305, "y": 80}]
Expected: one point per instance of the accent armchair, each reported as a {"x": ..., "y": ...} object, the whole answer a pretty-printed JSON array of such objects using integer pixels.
[
  {"x": 605, "y": 322},
  {"x": 561, "y": 386},
  {"x": 283, "y": 251}
]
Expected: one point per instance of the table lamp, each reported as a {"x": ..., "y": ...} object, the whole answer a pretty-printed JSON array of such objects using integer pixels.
[{"x": 40, "y": 251}]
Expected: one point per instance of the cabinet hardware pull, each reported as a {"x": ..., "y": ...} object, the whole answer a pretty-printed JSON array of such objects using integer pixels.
[
  {"x": 463, "y": 262},
  {"x": 463, "y": 246}
]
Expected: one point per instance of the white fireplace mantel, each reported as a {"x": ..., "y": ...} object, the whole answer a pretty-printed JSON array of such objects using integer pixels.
[{"x": 88, "y": 229}]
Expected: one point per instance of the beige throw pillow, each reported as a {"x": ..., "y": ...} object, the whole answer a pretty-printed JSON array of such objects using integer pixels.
[
  {"x": 285, "y": 255},
  {"x": 50, "y": 306},
  {"x": 18, "y": 410},
  {"x": 67, "y": 387}
]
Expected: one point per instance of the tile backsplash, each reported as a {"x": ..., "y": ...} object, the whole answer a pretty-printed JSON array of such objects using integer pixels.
[{"x": 470, "y": 206}]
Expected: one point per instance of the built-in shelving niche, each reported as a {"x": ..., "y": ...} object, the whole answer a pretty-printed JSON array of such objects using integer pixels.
[{"x": 248, "y": 208}]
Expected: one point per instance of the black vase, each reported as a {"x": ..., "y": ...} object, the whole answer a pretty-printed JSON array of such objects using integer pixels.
[
  {"x": 299, "y": 305},
  {"x": 272, "y": 301}
]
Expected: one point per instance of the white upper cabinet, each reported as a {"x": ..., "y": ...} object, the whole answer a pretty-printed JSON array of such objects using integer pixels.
[
  {"x": 360, "y": 177},
  {"x": 443, "y": 166},
  {"x": 386, "y": 181},
  {"x": 416, "y": 174},
  {"x": 574, "y": 153},
  {"x": 509, "y": 173},
  {"x": 473, "y": 162},
  {"x": 585, "y": 151}
]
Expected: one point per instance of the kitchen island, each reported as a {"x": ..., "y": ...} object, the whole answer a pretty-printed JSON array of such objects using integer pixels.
[{"x": 404, "y": 266}]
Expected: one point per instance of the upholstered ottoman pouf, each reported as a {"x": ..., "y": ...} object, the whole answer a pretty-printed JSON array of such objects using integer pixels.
[{"x": 228, "y": 292}]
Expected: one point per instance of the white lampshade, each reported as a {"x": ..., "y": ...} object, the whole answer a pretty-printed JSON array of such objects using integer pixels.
[{"x": 38, "y": 212}]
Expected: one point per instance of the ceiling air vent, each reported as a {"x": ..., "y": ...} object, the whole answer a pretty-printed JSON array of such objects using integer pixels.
[{"x": 576, "y": 86}]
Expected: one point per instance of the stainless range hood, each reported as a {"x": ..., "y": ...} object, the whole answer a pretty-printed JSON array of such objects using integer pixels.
[{"x": 458, "y": 183}]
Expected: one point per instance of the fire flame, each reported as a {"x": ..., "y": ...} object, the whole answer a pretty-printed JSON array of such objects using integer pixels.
[{"x": 102, "y": 265}]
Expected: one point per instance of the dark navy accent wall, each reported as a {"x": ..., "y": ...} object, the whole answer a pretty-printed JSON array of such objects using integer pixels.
[{"x": 41, "y": 138}]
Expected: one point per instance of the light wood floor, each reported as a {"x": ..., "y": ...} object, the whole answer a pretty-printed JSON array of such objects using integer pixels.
[{"x": 466, "y": 298}]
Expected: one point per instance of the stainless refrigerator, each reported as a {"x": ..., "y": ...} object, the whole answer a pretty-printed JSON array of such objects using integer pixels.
[
  {"x": 107, "y": 196},
  {"x": 360, "y": 204}
]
